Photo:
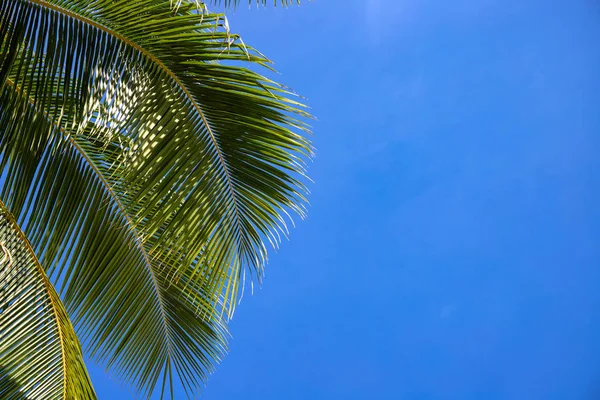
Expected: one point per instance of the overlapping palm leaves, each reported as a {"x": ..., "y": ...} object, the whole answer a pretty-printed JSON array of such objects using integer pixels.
[{"x": 146, "y": 164}]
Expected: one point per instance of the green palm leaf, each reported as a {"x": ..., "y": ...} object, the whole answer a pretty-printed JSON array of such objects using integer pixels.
[
  {"x": 173, "y": 170},
  {"x": 40, "y": 356}
]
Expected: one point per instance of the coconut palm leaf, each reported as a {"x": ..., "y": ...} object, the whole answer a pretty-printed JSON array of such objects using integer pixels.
[
  {"x": 40, "y": 356},
  {"x": 147, "y": 166}
]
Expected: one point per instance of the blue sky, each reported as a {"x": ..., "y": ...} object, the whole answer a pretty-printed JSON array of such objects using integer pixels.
[{"x": 452, "y": 245}]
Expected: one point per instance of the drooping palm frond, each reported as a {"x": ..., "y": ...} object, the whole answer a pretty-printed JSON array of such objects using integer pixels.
[
  {"x": 40, "y": 356},
  {"x": 145, "y": 174}
]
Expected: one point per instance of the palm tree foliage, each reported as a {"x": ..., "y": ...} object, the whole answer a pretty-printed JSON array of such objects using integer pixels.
[
  {"x": 28, "y": 332},
  {"x": 143, "y": 167}
]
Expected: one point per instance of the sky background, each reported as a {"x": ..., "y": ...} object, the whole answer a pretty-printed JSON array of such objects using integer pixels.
[{"x": 452, "y": 245}]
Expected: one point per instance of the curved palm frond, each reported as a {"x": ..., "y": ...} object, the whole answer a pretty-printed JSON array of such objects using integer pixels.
[
  {"x": 40, "y": 356},
  {"x": 173, "y": 169}
]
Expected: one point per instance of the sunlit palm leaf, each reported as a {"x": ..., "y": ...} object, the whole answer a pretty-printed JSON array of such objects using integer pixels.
[
  {"x": 173, "y": 168},
  {"x": 40, "y": 356}
]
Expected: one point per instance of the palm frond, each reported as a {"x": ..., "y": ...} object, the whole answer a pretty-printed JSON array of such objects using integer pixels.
[
  {"x": 40, "y": 356},
  {"x": 174, "y": 170}
]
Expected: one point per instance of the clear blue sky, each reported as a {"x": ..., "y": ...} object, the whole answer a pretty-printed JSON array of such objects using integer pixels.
[{"x": 452, "y": 249}]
